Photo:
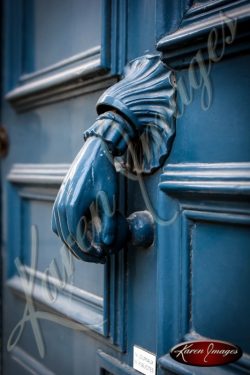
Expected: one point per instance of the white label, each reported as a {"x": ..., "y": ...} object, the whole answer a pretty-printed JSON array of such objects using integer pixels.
[{"x": 144, "y": 361}]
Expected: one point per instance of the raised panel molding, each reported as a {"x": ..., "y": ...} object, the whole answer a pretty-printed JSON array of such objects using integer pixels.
[
  {"x": 35, "y": 174},
  {"x": 183, "y": 318},
  {"x": 112, "y": 365},
  {"x": 180, "y": 47},
  {"x": 62, "y": 80},
  {"x": 207, "y": 195},
  {"x": 94, "y": 69},
  {"x": 200, "y": 178},
  {"x": 84, "y": 308},
  {"x": 167, "y": 365},
  {"x": 107, "y": 315},
  {"x": 28, "y": 363}
]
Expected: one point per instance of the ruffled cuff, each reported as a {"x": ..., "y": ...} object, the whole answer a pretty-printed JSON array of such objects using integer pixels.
[
  {"x": 114, "y": 130},
  {"x": 137, "y": 116}
]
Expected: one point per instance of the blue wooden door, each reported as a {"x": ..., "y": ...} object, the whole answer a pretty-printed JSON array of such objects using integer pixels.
[{"x": 62, "y": 315}]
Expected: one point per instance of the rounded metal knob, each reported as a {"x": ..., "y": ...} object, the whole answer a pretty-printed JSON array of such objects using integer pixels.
[{"x": 141, "y": 229}]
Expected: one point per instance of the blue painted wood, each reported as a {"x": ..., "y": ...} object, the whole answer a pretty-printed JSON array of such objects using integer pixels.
[
  {"x": 169, "y": 16},
  {"x": 46, "y": 50},
  {"x": 168, "y": 365},
  {"x": 33, "y": 189},
  {"x": 226, "y": 179},
  {"x": 24, "y": 361},
  {"x": 110, "y": 365},
  {"x": 96, "y": 59},
  {"x": 201, "y": 193},
  {"x": 223, "y": 216},
  {"x": 197, "y": 32}
]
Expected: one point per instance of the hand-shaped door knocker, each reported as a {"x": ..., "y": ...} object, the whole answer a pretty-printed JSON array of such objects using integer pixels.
[{"x": 136, "y": 125}]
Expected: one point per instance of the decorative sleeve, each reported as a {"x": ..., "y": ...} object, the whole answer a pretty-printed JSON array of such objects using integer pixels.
[
  {"x": 113, "y": 129},
  {"x": 145, "y": 99}
]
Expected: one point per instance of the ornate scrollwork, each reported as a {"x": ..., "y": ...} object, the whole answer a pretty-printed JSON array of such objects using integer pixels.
[{"x": 146, "y": 98}]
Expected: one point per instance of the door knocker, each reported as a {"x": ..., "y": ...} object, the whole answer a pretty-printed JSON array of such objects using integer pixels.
[{"x": 135, "y": 128}]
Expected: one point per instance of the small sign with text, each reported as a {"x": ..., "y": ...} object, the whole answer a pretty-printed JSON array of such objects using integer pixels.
[{"x": 144, "y": 361}]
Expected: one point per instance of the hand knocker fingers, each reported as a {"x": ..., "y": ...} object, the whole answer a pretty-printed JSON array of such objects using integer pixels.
[{"x": 107, "y": 207}]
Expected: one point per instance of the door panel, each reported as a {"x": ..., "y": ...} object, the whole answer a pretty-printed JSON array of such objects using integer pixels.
[
  {"x": 74, "y": 305},
  {"x": 62, "y": 315},
  {"x": 204, "y": 198},
  {"x": 221, "y": 249},
  {"x": 59, "y": 38}
]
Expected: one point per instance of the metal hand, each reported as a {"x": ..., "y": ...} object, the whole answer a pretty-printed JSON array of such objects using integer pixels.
[{"x": 84, "y": 211}]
